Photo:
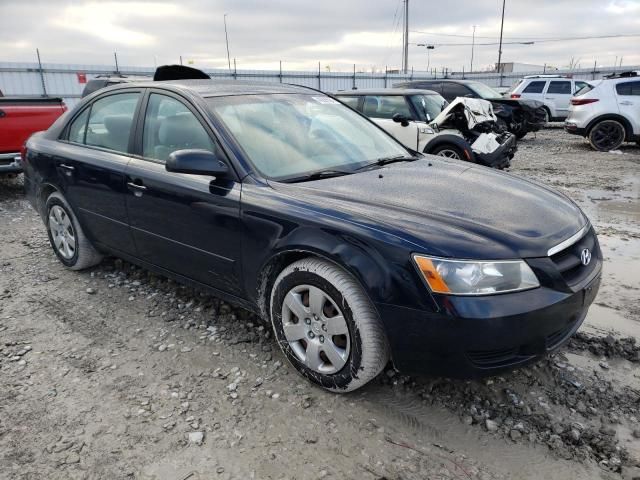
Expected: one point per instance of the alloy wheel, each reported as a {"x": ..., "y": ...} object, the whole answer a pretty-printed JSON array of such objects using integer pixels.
[
  {"x": 316, "y": 329},
  {"x": 64, "y": 237},
  {"x": 449, "y": 154},
  {"x": 607, "y": 135}
]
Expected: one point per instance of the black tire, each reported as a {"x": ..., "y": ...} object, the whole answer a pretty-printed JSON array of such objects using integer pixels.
[
  {"x": 449, "y": 150},
  {"x": 79, "y": 254},
  {"x": 365, "y": 347},
  {"x": 520, "y": 134},
  {"x": 547, "y": 116},
  {"x": 606, "y": 135}
]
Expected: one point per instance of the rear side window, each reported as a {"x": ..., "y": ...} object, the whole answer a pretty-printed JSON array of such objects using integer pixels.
[
  {"x": 579, "y": 86},
  {"x": 535, "y": 87},
  {"x": 110, "y": 121},
  {"x": 78, "y": 127},
  {"x": 628, "y": 88},
  {"x": 169, "y": 126},
  {"x": 381, "y": 106},
  {"x": 563, "y": 88},
  {"x": 351, "y": 101},
  {"x": 454, "y": 90}
]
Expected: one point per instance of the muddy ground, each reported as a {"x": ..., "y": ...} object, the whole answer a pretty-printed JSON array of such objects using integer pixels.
[{"x": 114, "y": 373}]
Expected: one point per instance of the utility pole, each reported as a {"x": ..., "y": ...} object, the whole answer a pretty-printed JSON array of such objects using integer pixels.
[
  {"x": 500, "y": 47},
  {"x": 226, "y": 37},
  {"x": 405, "y": 39},
  {"x": 473, "y": 44},
  {"x": 115, "y": 56}
]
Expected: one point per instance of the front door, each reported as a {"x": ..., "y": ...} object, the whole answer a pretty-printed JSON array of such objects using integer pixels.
[
  {"x": 628, "y": 96},
  {"x": 187, "y": 224},
  {"x": 382, "y": 108}
]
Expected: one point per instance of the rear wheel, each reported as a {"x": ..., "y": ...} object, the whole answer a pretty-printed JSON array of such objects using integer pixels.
[
  {"x": 547, "y": 115},
  {"x": 67, "y": 239},
  {"x": 607, "y": 135},
  {"x": 326, "y": 325},
  {"x": 449, "y": 151}
]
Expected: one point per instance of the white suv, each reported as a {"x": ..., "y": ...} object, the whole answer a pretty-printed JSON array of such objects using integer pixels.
[
  {"x": 555, "y": 91},
  {"x": 607, "y": 112}
]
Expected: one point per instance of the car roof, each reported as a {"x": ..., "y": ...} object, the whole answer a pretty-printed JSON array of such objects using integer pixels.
[
  {"x": 221, "y": 88},
  {"x": 386, "y": 91}
]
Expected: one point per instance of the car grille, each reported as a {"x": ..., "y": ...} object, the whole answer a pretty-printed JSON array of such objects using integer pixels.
[
  {"x": 569, "y": 263},
  {"x": 496, "y": 358}
]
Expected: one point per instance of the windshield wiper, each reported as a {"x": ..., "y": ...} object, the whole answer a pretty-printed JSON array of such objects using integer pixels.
[
  {"x": 328, "y": 173},
  {"x": 386, "y": 161}
]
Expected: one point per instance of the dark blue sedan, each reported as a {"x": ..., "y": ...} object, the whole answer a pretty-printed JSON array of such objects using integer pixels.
[{"x": 285, "y": 201}]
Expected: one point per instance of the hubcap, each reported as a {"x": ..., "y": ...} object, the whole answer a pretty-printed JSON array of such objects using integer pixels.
[
  {"x": 315, "y": 329},
  {"x": 64, "y": 238},
  {"x": 449, "y": 154}
]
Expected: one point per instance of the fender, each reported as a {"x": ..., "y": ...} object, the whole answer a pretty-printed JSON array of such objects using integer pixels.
[
  {"x": 612, "y": 116},
  {"x": 456, "y": 140}
]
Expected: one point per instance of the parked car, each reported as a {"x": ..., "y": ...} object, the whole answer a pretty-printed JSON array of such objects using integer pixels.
[
  {"x": 103, "y": 81},
  {"x": 19, "y": 118},
  {"x": 283, "y": 200},
  {"x": 518, "y": 116},
  {"x": 416, "y": 118},
  {"x": 554, "y": 91},
  {"x": 607, "y": 113}
]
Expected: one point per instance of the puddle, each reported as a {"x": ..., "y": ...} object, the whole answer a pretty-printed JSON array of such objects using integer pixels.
[
  {"x": 431, "y": 424},
  {"x": 604, "y": 321},
  {"x": 620, "y": 207}
]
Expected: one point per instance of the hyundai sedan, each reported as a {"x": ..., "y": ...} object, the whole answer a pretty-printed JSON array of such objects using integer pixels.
[{"x": 356, "y": 249}]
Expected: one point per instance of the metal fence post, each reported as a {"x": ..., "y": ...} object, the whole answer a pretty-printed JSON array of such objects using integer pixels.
[
  {"x": 44, "y": 87},
  {"x": 386, "y": 72},
  {"x": 235, "y": 71},
  {"x": 319, "y": 82},
  {"x": 280, "y": 71},
  {"x": 354, "y": 77}
]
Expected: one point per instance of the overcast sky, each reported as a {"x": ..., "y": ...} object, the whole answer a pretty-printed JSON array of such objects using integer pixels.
[{"x": 301, "y": 32}]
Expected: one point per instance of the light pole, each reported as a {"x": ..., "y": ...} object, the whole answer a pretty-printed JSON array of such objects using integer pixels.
[
  {"x": 226, "y": 37},
  {"x": 428, "y": 47},
  {"x": 473, "y": 44},
  {"x": 500, "y": 47}
]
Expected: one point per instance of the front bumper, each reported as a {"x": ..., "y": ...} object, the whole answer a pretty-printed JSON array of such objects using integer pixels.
[
  {"x": 478, "y": 336},
  {"x": 501, "y": 157},
  {"x": 572, "y": 128},
  {"x": 10, "y": 163}
]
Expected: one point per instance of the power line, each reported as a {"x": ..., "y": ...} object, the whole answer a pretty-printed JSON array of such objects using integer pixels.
[{"x": 532, "y": 39}]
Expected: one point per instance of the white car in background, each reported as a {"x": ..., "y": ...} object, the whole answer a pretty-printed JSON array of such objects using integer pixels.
[
  {"x": 467, "y": 129},
  {"x": 555, "y": 91},
  {"x": 607, "y": 113}
]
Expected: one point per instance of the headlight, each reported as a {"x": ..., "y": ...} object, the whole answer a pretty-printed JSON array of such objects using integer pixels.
[
  {"x": 471, "y": 277},
  {"x": 426, "y": 130}
]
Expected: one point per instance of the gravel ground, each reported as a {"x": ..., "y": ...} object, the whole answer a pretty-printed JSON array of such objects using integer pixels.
[{"x": 116, "y": 373}]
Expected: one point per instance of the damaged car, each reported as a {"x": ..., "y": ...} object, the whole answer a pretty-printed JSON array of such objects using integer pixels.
[
  {"x": 466, "y": 129},
  {"x": 516, "y": 115}
]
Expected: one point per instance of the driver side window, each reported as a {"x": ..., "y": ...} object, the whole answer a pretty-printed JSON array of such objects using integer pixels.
[{"x": 169, "y": 126}]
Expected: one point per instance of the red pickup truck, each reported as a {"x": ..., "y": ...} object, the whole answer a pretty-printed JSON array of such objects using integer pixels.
[{"x": 19, "y": 118}]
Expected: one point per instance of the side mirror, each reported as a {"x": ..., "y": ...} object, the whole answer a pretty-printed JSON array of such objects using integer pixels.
[
  {"x": 401, "y": 119},
  {"x": 196, "y": 162}
]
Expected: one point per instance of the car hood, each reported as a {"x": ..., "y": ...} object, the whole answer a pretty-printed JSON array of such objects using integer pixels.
[{"x": 447, "y": 208}]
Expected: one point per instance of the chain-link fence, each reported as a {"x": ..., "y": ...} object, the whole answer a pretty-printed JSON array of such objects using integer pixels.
[{"x": 67, "y": 81}]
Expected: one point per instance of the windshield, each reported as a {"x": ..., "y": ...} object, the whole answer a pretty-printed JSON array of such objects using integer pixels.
[
  {"x": 290, "y": 135},
  {"x": 484, "y": 91},
  {"x": 428, "y": 106}
]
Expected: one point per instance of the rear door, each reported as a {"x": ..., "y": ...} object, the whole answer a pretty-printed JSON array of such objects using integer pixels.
[
  {"x": 382, "y": 108},
  {"x": 628, "y": 96},
  {"x": 558, "y": 97},
  {"x": 534, "y": 90},
  {"x": 187, "y": 224},
  {"x": 91, "y": 164}
]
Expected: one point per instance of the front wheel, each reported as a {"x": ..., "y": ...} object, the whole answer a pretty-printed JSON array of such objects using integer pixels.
[
  {"x": 67, "y": 239},
  {"x": 326, "y": 325},
  {"x": 607, "y": 135},
  {"x": 449, "y": 151}
]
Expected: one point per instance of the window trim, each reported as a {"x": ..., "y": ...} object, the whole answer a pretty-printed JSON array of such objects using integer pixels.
[{"x": 64, "y": 135}]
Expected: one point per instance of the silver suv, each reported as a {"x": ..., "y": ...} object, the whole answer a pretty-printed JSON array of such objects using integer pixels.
[
  {"x": 607, "y": 113},
  {"x": 555, "y": 91}
]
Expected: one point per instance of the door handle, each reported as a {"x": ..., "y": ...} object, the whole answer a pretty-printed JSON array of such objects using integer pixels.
[
  {"x": 550, "y": 98},
  {"x": 626, "y": 103},
  {"x": 137, "y": 188}
]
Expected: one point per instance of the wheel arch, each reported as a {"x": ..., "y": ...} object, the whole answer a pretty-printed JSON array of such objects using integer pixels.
[{"x": 612, "y": 116}]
